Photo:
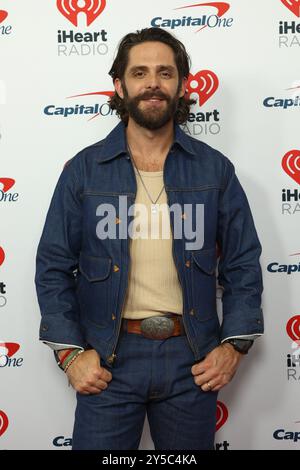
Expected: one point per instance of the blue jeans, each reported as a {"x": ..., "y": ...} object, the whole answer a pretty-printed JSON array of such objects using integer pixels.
[{"x": 153, "y": 377}]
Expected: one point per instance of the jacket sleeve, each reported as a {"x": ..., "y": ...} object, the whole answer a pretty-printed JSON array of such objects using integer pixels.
[
  {"x": 239, "y": 267},
  {"x": 57, "y": 262}
]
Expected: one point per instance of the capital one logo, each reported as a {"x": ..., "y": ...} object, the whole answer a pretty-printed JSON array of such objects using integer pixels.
[
  {"x": 204, "y": 83},
  {"x": 5, "y": 195},
  {"x": 7, "y": 351},
  {"x": 207, "y": 20},
  {"x": 3, "y": 422},
  {"x": 98, "y": 112},
  {"x": 70, "y": 9},
  {"x": 95, "y": 110},
  {"x": 7, "y": 183},
  {"x": 222, "y": 415},
  {"x": 293, "y": 6},
  {"x": 221, "y": 7},
  {"x": 291, "y": 164},
  {"x": 5, "y": 30},
  {"x": 3, "y": 15}
]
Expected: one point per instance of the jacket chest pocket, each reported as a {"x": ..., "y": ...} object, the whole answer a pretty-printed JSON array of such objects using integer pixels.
[
  {"x": 204, "y": 283},
  {"x": 94, "y": 289}
]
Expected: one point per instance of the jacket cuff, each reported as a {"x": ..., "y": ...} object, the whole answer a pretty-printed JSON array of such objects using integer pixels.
[
  {"x": 60, "y": 346},
  {"x": 58, "y": 329},
  {"x": 252, "y": 324}
]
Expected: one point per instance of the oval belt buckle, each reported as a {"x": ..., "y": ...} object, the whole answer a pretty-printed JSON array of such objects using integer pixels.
[{"x": 157, "y": 327}]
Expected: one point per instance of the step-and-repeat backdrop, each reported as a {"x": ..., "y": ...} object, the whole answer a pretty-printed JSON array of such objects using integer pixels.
[{"x": 54, "y": 82}]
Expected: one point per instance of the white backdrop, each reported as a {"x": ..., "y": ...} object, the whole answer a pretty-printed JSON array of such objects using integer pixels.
[{"x": 249, "y": 77}]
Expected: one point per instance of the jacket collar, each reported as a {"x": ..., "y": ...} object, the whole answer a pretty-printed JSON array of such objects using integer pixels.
[{"x": 115, "y": 143}]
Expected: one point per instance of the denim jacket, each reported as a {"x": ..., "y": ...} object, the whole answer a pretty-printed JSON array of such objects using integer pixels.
[{"x": 81, "y": 277}]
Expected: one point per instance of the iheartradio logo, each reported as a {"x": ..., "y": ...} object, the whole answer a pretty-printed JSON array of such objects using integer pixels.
[
  {"x": 204, "y": 83},
  {"x": 293, "y": 6},
  {"x": 222, "y": 415},
  {"x": 2, "y": 256},
  {"x": 291, "y": 164},
  {"x": 70, "y": 9},
  {"x": 293, "y": 329},
  {"x": 3, "y": 422}
]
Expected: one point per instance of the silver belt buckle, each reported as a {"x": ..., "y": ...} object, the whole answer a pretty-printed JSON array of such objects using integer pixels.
[{"x": 157, "y": 327}]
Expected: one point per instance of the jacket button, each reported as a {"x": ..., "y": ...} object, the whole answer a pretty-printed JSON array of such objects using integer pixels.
[
  {"x": 45, "y": 328},
  {"x": 111, "y": 358},
  {"x": 118, "y": 220},
  {"x": 116, "y": 268},
  {"x": 113, "y": 317},
  {"x": 192, "y": 312},
  {"x": 183, "y": 216},
  {"x": 188, "y": 263}
]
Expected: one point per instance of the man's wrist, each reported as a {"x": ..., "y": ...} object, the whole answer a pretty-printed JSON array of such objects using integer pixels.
[
  {"x": 240, "y": 345},
  {"x": 230, "y": 347},
  {"x": 61, "y": 353},
  {"x": 64, "y": 357},
  {"x": 71, "y": 358}
]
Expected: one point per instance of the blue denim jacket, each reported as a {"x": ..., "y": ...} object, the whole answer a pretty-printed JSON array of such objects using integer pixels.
[{"x": 81, "y": 280}]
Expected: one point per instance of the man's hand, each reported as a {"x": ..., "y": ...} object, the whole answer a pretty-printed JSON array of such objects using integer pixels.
[
  {"x": 86, "y": 375},
  {"x": 217, "y": 369}
]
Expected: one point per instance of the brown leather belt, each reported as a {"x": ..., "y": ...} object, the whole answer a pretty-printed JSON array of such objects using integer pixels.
[{"x": 156, "y": 327}]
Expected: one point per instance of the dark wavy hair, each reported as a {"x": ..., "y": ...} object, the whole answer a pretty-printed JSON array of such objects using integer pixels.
[{"x": 119, "y": 65}]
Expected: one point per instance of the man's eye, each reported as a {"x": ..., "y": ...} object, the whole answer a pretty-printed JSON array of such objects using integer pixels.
[
  {"x": 139, "y": 74},
  {"x": 166, "y": 74}
]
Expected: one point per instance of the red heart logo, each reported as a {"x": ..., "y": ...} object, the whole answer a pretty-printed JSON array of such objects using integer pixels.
[
  {"x": 3, "y": 422},
  {"x": 3, "y": 15},
  {"x": 293, "y": 5},
  {"x": 204, "y": 83},
  {"x": 293, "y": 328},
  {"x": 2, "y": 256},
  {"x": 70, "y": 9},
  {"x": 291, "y": 164},
  {"x": 222, "y": 415}
]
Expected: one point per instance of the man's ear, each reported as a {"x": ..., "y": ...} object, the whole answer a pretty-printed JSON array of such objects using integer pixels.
[
  {"x": 119, "y": 88},
  {"x": 183, "y": 87}
]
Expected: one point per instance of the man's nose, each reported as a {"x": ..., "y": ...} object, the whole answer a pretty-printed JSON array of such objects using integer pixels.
[{"x": 153, "y": 82}]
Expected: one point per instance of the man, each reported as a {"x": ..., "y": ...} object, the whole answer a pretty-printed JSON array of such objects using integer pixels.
[{"x": 132, "y": 318}]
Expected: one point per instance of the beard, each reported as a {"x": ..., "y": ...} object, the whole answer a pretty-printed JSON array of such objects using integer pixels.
[{"x": 154, "y": 117}]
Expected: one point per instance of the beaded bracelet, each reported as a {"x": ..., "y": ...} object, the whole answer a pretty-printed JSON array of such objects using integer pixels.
[
  {"x": 69, "y": 357},
  {"x": 72, "y": 359},
  {"x": 65, "y": 355},
  {"x": 58, "y": 361}
]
